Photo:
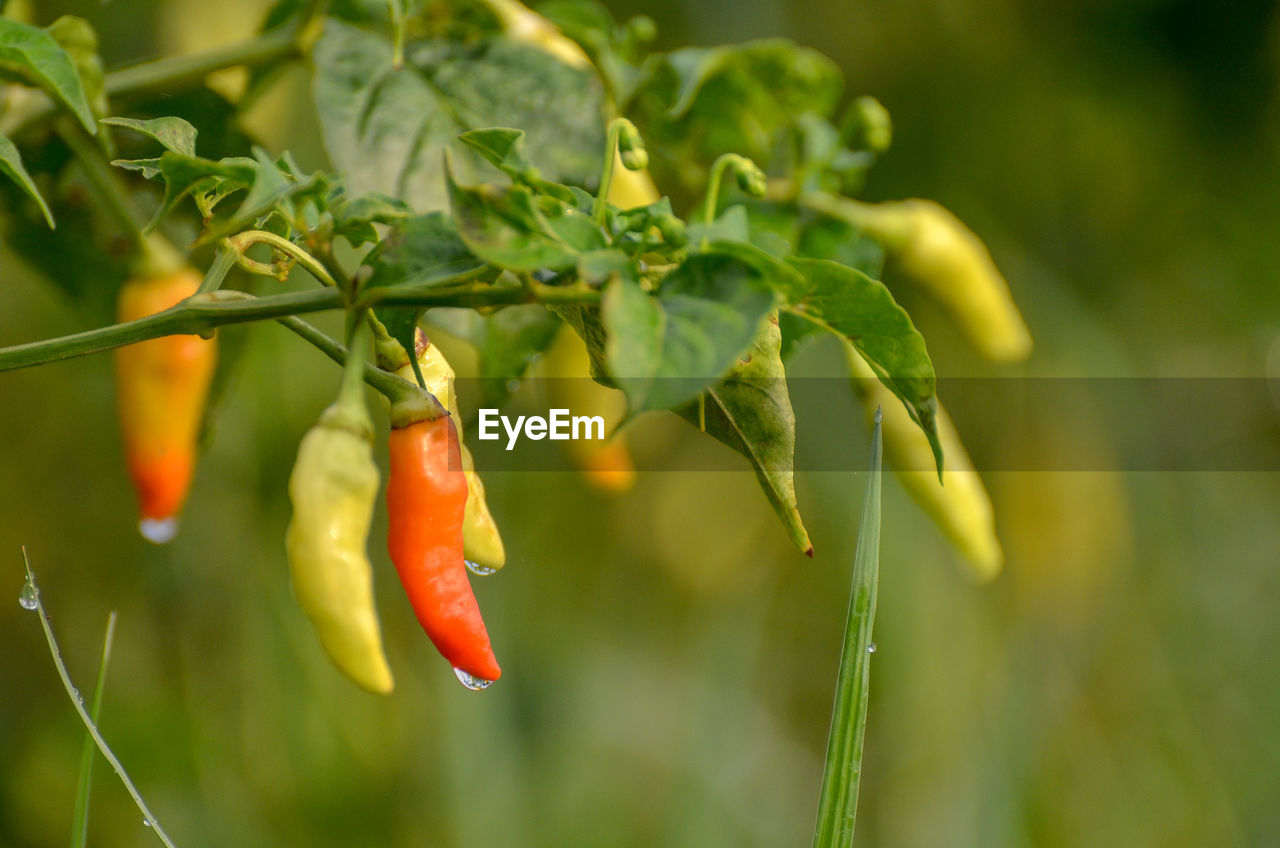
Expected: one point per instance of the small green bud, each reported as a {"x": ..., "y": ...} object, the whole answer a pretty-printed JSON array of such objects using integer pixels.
[
  {"x": 750, "y": 178},
  {"x": 635, "y": 160},
  {"x": 631, "y": 146},
  {"x": 867, "y": 125},
  {"x": 642, "y": 29}
]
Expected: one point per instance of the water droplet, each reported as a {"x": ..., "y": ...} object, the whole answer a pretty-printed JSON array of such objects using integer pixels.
[
  {"x": 477, "y": 568},
  {"x": 146, "y": 822},
  {"x": 29, "y": 598},
  {"x": 871, "y": 649},
  {"x": 467, "y": 680},
  {"x": 158, "y": 530}
]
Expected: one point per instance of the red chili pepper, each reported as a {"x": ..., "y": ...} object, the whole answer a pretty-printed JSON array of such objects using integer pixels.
[{"x": 426, "y": 502}]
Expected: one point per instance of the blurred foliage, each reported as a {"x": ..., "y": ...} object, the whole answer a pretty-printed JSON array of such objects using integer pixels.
[{"x": 670, "y": 658}]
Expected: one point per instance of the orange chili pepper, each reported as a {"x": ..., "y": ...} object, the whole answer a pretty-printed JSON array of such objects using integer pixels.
[{"x": 161, "y": 388}]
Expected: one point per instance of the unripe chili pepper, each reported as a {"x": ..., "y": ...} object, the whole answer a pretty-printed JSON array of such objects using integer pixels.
[
  {"x": 482, "y": 543},
  {"x": 933, "y": 247},
  {"x": 333, "y": 488},
  {"x": 426, "y": 505},
  {"x": 959, "y": 504},
  {"x": 161, "y": 388}
]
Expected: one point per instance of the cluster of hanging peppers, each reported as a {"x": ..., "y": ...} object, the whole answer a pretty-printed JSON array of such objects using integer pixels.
[{"x": 438, "y": 521}]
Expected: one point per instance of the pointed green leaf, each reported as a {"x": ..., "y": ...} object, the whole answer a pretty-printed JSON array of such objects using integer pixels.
[
  {"x": 11, "y": 166},
  {"x": 503, "y": 148},
  {"x": 842, "y": 773},
  {"x": 851, "y": 304},
  {"x": 78, "y": 37},
  {"x": 35, "y": 57},
  {"x": 750, "y": 411},
  {"x": 174, "y": 133}
]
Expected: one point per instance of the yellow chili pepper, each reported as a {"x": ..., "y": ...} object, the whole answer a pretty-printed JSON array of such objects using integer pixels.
[
  {"x": 959, "y": 504},
  {"x": 333, "y": 488},
  {"x": 933, "y": 247},
  {"x": 607, "y": 465}
]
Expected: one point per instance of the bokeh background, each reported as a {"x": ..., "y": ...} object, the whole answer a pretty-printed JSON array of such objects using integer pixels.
[{"x": 669, "y": 659}]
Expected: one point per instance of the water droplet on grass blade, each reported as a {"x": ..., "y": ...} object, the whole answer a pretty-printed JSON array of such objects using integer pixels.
[
  {"x": 29, "y": 597},
  {"x": 871, "y": 649},
  {"x": 477, "y": 568},
  {"x": 471, "y": 682},
  {"x": 160, "y": 531}
]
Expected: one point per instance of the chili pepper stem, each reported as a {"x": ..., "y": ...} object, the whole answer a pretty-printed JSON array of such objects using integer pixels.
[{"x": 350, "y": 411}]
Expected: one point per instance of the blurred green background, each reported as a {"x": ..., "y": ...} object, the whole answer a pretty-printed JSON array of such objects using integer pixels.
[{"x": 669, "y": 658}]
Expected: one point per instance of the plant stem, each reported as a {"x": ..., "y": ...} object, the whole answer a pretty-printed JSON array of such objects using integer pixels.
[
  {"x": 202, "y": 314},
  {"x": 223, "y": 261},
  {"x": 601, "y": 206},
  {"x": 79, "y": 706},
  {"x": 384, "y": 382},
  {"x": 197, "y": 315},
  {"x": 103, "y": 181},
  {"x": 174, "y": 71},
  {"x": 80, "y": 818},
  {"x": 838, "y": 803},
  {"x": 853, "y": 212}
]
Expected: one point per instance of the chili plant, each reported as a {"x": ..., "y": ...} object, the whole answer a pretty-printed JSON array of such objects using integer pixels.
[{"x": 681, "y": 221}]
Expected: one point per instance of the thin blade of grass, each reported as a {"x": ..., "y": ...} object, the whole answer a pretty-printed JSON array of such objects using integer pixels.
[
  {"x": 30, "y": 599},
  {"x": 80, "y": 819},
  {"x": 838, "y": 803}
]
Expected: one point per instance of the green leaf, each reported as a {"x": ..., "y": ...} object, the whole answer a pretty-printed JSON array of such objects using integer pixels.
[
  {"x": 750, "y": 411},
  {"x": 423, "y": 250},
  {"x": 851, "y": 304},
  {"x": 513, "y": 337},
  {"x": 636, "y": 326},
  {"x": 78, "y": 37},
  {"x": 11, "y": 166},
  {"x": 35, "y": 57},
  {"x": 711, "y": 307},
  {"x": 386, "y": 128},
  {"x": 88, "y": 751},
  {"x": 698, "y": 103},
  {"x": 842, "y": 772},
  {"x": 174, "y": 133},
  {"x": 503, "y": 226},
  {"x": 353, "y": 219},
  {"x": 183, "y": 174},
  {"x": 503, "y": 148}
]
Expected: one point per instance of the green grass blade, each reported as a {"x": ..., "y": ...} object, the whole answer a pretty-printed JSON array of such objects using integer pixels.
[
  {"x": 30, "y": 600},
  {"x": 838, "y": 803},
  {"x": 80, "y": 819}
]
